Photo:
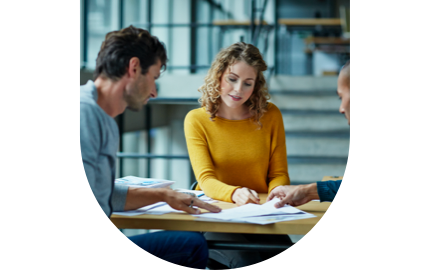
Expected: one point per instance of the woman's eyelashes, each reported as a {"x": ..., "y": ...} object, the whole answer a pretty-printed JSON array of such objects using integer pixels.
[{"x": 234, "y": 80}]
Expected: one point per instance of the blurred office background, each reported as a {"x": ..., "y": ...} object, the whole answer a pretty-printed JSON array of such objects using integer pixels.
[{"x": 304, "y": 42}]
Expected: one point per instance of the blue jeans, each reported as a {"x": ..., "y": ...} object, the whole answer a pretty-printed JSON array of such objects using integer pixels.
[{"x": 184, "y": 248}]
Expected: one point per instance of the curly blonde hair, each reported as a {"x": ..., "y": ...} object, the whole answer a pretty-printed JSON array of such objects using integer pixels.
[{"x": 211, "y": 93}]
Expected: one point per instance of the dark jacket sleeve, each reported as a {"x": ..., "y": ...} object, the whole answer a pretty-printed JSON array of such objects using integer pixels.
[{"x": 327, "y": 190}]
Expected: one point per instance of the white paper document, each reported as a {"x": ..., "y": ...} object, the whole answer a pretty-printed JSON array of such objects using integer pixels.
[
  {"x": 133, "y": 181},
  {"x": 263, "y": 220},
  {"x": 249, "y": 213},
  {"x": 258, "y": 214},
  {"x": 153, "y": 209}
]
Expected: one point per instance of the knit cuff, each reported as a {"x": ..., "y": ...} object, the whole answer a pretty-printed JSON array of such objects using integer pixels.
[
  {"x": 323, "y": 191},
  {"x": 119, "y": 196}
]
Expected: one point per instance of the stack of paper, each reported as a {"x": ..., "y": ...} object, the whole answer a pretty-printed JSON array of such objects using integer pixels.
[
  {"x": 134, "y": 181},
  {"x": 161, "y": 208},
  {"x": 257, "y": 214},
  {"x": 249, "y": 213}
]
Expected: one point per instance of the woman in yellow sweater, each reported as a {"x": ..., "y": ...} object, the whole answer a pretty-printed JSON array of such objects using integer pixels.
[{"x": 236, "y": 142}]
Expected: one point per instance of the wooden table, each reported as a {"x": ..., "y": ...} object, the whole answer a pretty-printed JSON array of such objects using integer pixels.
[{"x": 186, "y": 222}]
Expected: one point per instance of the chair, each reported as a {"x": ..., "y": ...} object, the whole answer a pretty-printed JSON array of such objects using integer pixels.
[{"x": 193, "y": 185}]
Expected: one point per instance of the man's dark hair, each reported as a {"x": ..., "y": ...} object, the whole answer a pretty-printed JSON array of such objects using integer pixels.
[{"x": 120, "y": 46}]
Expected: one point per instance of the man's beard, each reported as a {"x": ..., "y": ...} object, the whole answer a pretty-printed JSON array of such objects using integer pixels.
[{"x": 134, "y": 101}]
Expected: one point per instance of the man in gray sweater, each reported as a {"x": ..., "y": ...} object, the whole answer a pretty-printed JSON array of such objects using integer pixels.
[{"x": 129, "y": 62}]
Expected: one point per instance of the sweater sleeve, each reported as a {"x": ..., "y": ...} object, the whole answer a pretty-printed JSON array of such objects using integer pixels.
[
  {"x": 91, "y": 147},
  {"x": 119, "y": 196},
  {"x": 278, "y": 167},
  {"x": 90, "y": 134},
  {"x": 202, "y": 163},
  {"x": 327, "y": 190}
]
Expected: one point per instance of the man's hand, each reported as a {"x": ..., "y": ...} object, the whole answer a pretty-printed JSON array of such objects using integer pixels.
[
  {"x": 242, "y": 196},
  {"x": 140, "y": 197},
  {"x": 181, "y": 201},
  {"x": 294, "y": 195}
]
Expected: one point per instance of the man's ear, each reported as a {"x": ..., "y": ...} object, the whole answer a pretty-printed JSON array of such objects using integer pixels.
[{"x": 133, "y": 67}]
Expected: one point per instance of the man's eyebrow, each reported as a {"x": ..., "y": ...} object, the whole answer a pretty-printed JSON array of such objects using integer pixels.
[{"x": 238, "y": 76}]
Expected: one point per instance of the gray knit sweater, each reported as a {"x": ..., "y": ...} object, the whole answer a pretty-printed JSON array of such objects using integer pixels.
[{"x": 99, "y": 144}]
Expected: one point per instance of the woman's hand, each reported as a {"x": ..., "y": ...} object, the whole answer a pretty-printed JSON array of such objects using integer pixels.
[{"x": 242, "y": 196}]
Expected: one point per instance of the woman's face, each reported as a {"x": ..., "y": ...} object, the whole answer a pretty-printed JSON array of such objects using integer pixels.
[{"x": 237, "y": 84}]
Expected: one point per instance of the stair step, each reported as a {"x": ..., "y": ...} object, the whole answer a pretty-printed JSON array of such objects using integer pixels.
[
  {"x": 311, "y": 93},
  {"x": 309, "y": 112},
  {"x": 340, "y": 134},
  {"x": 304, "y": 83},
  {"x": 312, "y": 121},
  {"x": 316, "y": 160},
  {"x": 314, "y": 146},
  {"x": 310, "y": 173},
  {"x": 300, "y": 102}
]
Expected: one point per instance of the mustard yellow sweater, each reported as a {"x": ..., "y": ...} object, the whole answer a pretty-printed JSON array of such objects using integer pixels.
[{"x": 229, "y": 154}]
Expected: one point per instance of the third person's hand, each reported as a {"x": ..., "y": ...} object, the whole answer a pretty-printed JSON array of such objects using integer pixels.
[{"x": 294, "y": 195}]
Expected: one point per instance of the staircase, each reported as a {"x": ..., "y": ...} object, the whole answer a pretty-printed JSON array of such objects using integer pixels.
[{"x": 317, "y": 135}]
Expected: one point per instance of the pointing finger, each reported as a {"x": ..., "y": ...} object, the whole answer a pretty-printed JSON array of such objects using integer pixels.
[
  {"x": 192, "y": 211},
  {"x": 207, "y": 206}
]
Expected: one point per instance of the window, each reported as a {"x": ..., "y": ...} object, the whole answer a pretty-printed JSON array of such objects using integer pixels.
[
  {"x": 103, "y": 17},
  {"x": 184, "y": 26},
  {"x": 81, "y": 33}
]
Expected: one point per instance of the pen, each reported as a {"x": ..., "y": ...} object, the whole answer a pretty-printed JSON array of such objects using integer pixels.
[{"x": 192, "y": 194}]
